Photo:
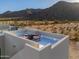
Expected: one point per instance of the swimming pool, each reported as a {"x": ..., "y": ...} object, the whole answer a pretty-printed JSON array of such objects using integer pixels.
[
  {"x": 43, "y": 38},
  {"x": 46, "y": 40}
]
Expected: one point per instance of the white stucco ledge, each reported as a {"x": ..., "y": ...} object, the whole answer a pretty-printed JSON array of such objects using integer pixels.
[
  {"x": 66, "y": 37},
  {"x": 18, "y": 47}
]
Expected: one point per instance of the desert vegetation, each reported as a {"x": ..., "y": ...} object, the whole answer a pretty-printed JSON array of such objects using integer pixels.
[
  {"x": 70, "y": 28},
  {"x": 67, "y": 28}
]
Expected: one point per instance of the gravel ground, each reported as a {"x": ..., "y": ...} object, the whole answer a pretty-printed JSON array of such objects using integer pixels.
[{"x": 74, "y": 50}]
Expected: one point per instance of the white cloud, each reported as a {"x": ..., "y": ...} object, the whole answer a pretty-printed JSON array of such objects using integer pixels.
[{"x": 71, "y": 0}]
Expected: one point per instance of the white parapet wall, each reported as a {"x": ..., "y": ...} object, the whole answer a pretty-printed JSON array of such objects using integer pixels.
[
  {"x": 59, "y": 50},
  {"x": 2, "y": 46},
  {"x": 30, "y": 52},
  {"x": 14, "y": 44}
]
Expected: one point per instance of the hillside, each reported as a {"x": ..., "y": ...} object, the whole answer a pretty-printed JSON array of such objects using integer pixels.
[{"x": 60, "y": 10}]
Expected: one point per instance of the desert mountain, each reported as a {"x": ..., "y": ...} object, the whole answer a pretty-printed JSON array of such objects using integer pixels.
[{"x": 60, "y": 10}]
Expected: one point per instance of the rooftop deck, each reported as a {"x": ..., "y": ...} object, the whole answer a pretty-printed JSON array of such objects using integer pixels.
[{"x": 45, "y": 38}]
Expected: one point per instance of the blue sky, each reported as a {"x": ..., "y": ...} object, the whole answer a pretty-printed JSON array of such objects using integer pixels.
[{"x": 14, "y": 5}]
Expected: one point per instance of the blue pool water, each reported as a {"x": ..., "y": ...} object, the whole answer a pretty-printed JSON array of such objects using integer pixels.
[
  {"x": 46, "y": 40},
  {"x": 43, "y": 39}
]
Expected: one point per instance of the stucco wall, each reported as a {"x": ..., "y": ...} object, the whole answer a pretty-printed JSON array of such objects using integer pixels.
[
  {"x": 2, "y": 45},
  {"x": 27, "y": 53},
  {"x": 13, "y": 44},
  {"x": 60, "y": 51}
]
